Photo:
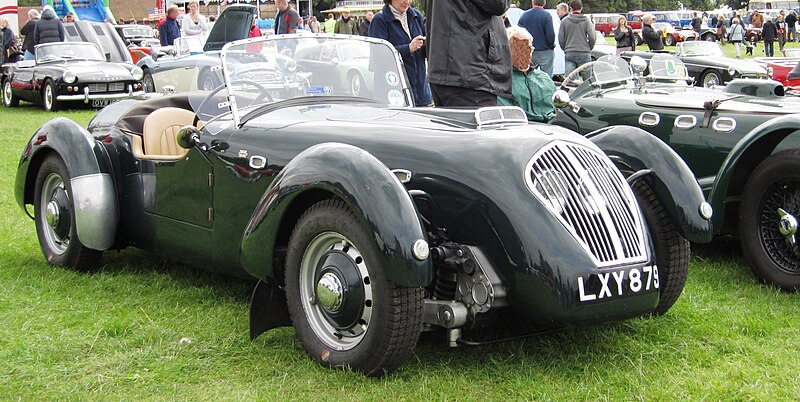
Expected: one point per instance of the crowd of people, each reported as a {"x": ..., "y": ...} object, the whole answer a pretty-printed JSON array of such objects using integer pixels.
[{"x": 469, "y": 59}]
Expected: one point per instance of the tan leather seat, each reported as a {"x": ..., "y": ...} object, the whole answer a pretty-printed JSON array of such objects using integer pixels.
[{"x": 159, "y": 139}]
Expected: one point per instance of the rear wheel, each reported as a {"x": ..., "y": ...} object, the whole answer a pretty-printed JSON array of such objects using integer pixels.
[
  {"x": 753, "y": 38},
  {"x": 54, "y": 214},
  {"x": 768, "y": 219},
  {"x": 9, "y": 100},
  {"x": 709, "y": 37},
  {"x": 344, "y": 309},
  {"x": 49, "y": 94},
  {"x": 207, "y": 81},
  {"x": 672, "y": 250}
]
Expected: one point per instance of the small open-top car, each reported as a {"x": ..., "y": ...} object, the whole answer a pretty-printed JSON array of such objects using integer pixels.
[
  {"x": 67, "y": 73},
  {"x": 707, "y": 64},
  {"x": 741, "y": 141},
  {"x": 365, "y": 220}
]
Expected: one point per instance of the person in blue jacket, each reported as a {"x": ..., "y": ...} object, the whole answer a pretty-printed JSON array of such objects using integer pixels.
[
  {"x": 404, "y": 27},
  {"x": 168, "y": 29}
]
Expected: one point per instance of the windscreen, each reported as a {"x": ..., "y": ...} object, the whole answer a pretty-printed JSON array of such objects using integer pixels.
[
  {"x": 277, "y": 68},
  {"x": 667, "y": 66},
  {"x": 610, "y": 68},
  {"x": 68, "y": 51}
]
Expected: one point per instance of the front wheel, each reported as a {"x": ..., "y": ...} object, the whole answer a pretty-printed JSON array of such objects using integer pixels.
[
  {"x": 49, "y": 94},
  {"x": 9, "y": 100},
  {"x": 753, "y": 38},
  {"x": 207, "y": 81},
  {"x": 709, "y": 37},
  {"x": 344, "y": 309},
  {"x": 54, "y": 213},
  {"x": 356, "y": 84},
  {"x": 670, "y": 40},
  {"x": 672, "y": 250},
  {"x": 767, "y": 220},
  {"x": 711, "y": 78},
  {"x": 148, "y": 83}
]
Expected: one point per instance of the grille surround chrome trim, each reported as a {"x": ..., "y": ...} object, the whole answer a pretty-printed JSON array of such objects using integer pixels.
[{"x": 596, "y": 205}]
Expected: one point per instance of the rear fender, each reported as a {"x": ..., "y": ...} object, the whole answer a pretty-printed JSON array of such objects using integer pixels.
[
  {"x": 757, "y": 145},
  {"x": 367, "y": 186},
  {"x": 673, "y": 182},
  {"x": 93, "y": 190}
]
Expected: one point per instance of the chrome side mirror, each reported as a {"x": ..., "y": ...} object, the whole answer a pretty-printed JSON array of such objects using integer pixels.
[
  {"x": 188, "y": 137},
  {"x": 561, "y": 99},
  {"x": 638, "y": 64}
]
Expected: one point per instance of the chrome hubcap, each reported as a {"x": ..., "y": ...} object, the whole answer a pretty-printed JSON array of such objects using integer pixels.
[
  {"x": 329, "y": 292},
  {"x": 356, "y": 86},
  {"x": 787, "y": 225},
  {"x": 51, "y": 215},
  {"x": 48, "y": 96},
  {"x": 7, "y": 93},
  {"x": 336, "y": 291},
  {"x": 55, "y": 207}
]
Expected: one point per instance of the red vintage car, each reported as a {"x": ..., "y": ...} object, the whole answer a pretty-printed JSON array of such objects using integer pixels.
[
  {"x": 785, "y": 70},
  {"x": 606, "y": 23},
  {"x": 670, "y": 35}
]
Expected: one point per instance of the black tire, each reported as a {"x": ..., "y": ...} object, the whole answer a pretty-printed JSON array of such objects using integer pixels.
[
  {"x": 774, "y": 184},
  {"x": 375, "y": 328},
  {"x": 55, "y": 221},
  {"x": 710, "y": 78},
  {"x": 638, "y": 39},
  {"x": 9, "y": 100},
  {"x": 709, "y": 37},
  {"x": 148, "y": 83},
  {"x": 670, "y": 40},
  {"x": 207, "y": 81},
  {"x": 356, "y": 84},
  {"x": 49, "y": 93},
  {"x": 672, "y": 250},
  {"x": 753, "y": 38}
]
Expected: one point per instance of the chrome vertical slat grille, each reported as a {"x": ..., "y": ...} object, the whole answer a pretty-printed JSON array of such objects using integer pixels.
[
  {"x": 116, "y": 86},
  {"x": 592, "y": 199},
  {"x": 97, "y": 87}
]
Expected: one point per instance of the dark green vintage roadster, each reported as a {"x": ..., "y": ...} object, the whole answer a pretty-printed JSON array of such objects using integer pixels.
[
  {"x": 741, "y": 141},
  {"x": 366, "y": 221}
]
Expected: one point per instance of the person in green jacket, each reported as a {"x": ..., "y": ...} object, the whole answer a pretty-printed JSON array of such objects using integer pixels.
[
  {"x": 330, "y": 24},
  {"x": 346, "y": 25},
  {"x": 531, "y": 89}
]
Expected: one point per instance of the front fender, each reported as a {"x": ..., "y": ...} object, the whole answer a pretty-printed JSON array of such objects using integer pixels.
[
  {"x": 372, "y": 192},
  {"x": 749, "y": 151},
  {"x": 93, "y": 190},
  {"x": 673, "y": 182}
]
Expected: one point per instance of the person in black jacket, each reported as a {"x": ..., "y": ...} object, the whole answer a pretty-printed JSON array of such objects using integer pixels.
[
  {"x": 49, "y": 28},
  {"x": 9, "y": 49},
  {"x": 623, "y": 34},
  {"x": 769, "y": 32},
  {"x": 27, "y": 31},
  {"x": 650, "y": 36},
  {"x": 469, "y": 61},
  {"x": 791, "y": 20}
]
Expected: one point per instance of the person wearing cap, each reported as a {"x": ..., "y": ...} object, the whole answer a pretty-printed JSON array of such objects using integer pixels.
[
  {"x": 49, "y": 28},
  {"x": 346, "y": 25},
  {"x": 69, "y": 18}
]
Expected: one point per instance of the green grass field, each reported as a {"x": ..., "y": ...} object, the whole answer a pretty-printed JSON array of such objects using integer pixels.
[{"x": 144, "y": 328}]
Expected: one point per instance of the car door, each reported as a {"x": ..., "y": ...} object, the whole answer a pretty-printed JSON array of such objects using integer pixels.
[{"x": 22, "y": 82}]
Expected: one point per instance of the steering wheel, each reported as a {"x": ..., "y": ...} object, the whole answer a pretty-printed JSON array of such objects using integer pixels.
[
  {"x": 571, "y": 76},
  {"x": 201, "y": 107}
]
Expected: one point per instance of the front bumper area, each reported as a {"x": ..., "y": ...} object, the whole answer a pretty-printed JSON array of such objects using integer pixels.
[{"x": 87, "y": 96}]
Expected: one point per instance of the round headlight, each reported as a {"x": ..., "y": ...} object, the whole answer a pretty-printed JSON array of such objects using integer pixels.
[
  {"x": 770, "y": 71},
  {"x": 69, "y": 77},
  {"x": 291, "y": 66},
  {"x": 137, "y": 73},
  {"x": 732, "y": 70}
]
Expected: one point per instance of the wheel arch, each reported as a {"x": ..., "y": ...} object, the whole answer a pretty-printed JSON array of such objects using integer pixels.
[
  {"x": 672, "y": 181},
  {"x": 368, "y": 188},
  {"x": 93, "y": 188},
  {"x": 732, "y": 176}
]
